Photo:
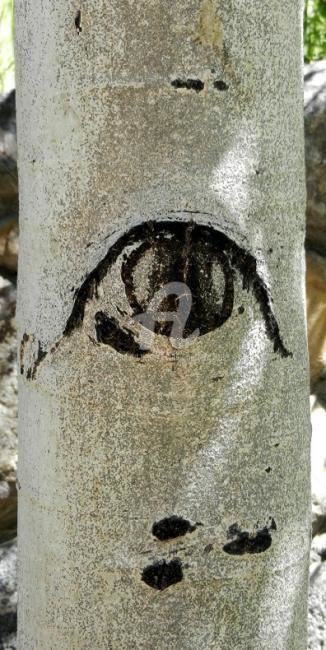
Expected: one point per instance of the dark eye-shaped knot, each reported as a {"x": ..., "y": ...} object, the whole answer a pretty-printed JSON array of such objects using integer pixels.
[{"x": 178, "y": 281}]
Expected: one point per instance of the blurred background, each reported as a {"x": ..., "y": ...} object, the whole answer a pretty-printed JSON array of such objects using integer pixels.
[
  {"x": 7, "y": 64},
  {"x": 314, "y": 22}
]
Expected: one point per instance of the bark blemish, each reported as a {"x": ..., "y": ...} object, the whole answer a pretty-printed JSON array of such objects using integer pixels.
[
  {"x": 78, "y": 26},
  {"x": 272, "y": 525},
  {"x": 272, "y": 328},
  {"x": 247, "y": 265},
  {"x": 188, "y": 84},
  {"x": 82, "y": 295},
  {"x": 172, "y": 527},
  {"x": 162, "y": 574},
  {"x": 40, "y": 355},
  {"x": 31, "y": 354},
  {"x": 109, "y": 332},
  {"x": 25, "y": 339},
  {"x": 208, "y": 548},
  {"x": 244, "y": 541},
  {"x": 219, "y": 84},
  {"x": 180, "y": 252},
  {"x": 184, "y": 253}
]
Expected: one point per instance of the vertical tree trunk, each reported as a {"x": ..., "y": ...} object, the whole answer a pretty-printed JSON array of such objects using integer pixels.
[{"x": 164, "y": 477}]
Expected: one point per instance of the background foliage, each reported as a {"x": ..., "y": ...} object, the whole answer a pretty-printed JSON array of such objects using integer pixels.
[
  {"x": 314, "y": 30},
  {"x": 314, "y": 38}
]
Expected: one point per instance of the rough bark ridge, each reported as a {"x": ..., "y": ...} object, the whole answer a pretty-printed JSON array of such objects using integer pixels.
[{"x": 172, "y": 176}]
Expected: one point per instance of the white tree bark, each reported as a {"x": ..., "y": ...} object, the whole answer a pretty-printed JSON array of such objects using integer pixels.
[{"x": 164, "y": 492}]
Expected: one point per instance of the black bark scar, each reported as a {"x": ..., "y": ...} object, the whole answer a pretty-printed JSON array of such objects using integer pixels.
[
  {"x": 168, "y": 241},
  {"x": 180, "y": 251},
  {"x": 162, "y": 574},
  {"x": 244, "y": 541},
  {"x": 108, "y": 331},
  {"x": 172, "y": 527},
  {"x": 188, "y": 84}
]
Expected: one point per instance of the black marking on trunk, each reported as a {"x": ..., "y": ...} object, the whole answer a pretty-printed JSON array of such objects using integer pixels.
[
  {"x": 244, "y": 541},
  {"x": 219, "y": 84},
  {"x": 36, "y": 359},
  {"x": 78, "y": 26},
  {"x": 109, "y": 332},
  {"x": 272, "y": 525},
  {"x": 189, "y": 84},
  {"x": 179, "y": 251},
  {"x": 183, "y": 251},
  {"x": 25, "y": 339},
  {"x": 172, "y": 527},
  {"x": 41, "y": 354},
  {"x": 162, "y": 574}
]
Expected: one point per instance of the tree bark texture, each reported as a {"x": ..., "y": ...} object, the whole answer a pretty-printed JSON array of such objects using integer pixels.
[{"x": 164, "y": 484}]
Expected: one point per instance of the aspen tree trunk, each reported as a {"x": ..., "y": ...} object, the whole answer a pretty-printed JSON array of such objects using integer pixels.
[{"x": 164, "y": 422}]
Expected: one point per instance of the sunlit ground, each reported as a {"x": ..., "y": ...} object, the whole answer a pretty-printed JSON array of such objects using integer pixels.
[{"x": 318, "y": 449}]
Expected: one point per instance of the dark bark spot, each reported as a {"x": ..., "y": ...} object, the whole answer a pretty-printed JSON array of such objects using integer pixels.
[
  {"x": 244, "y": 541},
  {"x": 179, "y": 252},
  {"x": 109, "y": 332},
  {"x": 219, "y": 84},
  {"x": 272, "y": 525},
  {"x": 162, "y": 574},
  {"x": 40, "y": 356},
  {"x": 189, "y": 84},
  {"x": 171, "y": 527},
  {"x": 23, "y": 342},
  {"x": 78, "y": 22}
]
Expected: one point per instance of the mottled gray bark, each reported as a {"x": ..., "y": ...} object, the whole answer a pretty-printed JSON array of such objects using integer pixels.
[{"x": 164, "y": 490}]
